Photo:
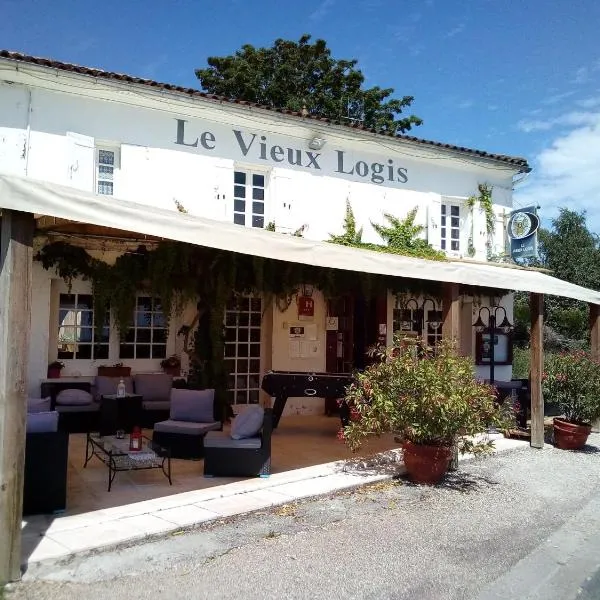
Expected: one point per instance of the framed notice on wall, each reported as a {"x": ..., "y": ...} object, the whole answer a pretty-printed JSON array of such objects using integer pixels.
[{"x": 503, "y": 348}]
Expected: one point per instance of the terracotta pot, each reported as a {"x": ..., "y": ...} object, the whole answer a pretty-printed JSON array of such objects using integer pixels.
[
  {"x": 54, "y": 372},
  {"x": 570, "y": 436},
  {"x": 426, "y": 464}
]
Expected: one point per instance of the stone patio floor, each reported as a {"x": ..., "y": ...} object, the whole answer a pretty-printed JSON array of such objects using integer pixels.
[{"x": 307, "y": 460}]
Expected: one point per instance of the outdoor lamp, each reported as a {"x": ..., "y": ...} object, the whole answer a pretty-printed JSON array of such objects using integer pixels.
[
  {"x": 479, "y": 324},
  {"x": 506, "y": 325}
]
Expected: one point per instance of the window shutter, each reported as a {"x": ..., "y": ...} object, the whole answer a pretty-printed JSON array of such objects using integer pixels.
[
  {"x": 285, "y": 194},
  {"x": 434, "y": 212},
  {"x": 81, "y": 161}
]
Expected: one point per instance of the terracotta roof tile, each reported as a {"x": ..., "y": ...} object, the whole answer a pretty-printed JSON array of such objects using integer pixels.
[{"x": 515, "y": 161}]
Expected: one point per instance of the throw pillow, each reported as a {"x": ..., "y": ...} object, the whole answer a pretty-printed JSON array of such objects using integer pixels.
[
  {"x": 74, "y": 397},
  {"x": 153, "y": 386},
  {"x": 42, "y": 422},
  {"x": 36, "y": 405},
  {"x": 196, "y": 406},
  {"x": 248, "y": 423}
]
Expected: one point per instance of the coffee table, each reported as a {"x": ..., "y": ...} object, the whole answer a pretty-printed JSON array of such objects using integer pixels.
[{"x": 115, "y": 454}]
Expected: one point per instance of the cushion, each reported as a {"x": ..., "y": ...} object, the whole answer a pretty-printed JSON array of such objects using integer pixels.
[
  {"x": 74, "y": 398},
  {"x": 156, "y": 405},
  {"x": 153, "y": 386},
  {"x": 42, "y": 422},
  {"x": 185, "y": 427},
  {"x": 219, "y": 439},
  {"x": 108, "y": 385},
  {"x": 36, "y": 405},
  {"x": 192, "y": 405},
  {"x": 248, "y": 423}
]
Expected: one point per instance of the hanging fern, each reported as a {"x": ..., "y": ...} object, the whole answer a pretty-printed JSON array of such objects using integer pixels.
[{"x": 484, "y": 199}]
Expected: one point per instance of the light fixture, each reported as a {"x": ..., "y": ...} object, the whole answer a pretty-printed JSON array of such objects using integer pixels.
[
  {"x": 505, "y": 325},
  {"x": 479, "y": 324},
  {"x": 316, "y": 143}
]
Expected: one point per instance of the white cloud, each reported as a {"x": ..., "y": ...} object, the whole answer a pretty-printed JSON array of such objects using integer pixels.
[
  {"x": 321, "y": 10},
  {"x": 582, "y": 75},
  {"x": 556, "y": 98},
  {"x": 571, "y": 119},
  {"x": 566, "y": 172},
  {"x": 455, "y": 31}
]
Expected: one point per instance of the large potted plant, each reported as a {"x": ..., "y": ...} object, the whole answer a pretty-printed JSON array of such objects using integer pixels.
[
  {"x": 572, "y": 382},
  {"x": 431, "y": 401},
  {"x": 171, "y": 365}
]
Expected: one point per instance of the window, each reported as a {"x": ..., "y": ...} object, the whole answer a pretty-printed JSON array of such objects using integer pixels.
[
  {"x": 77, "y": 337},
  {"x": 450, "y": 230},
  {"x": 148, "y": 336},
  {"x": 249, "y": 198},
  {"x": 410, "y": 321},
  {"x": 105, "y": 171},
  {"x": 243, "y": 318},
  {"x": 433, "y": 327}
]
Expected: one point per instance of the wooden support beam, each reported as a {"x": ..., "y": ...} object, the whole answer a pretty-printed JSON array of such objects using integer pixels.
[
  {"x": 595, "y": 345},
  {"x": 536, "y": 369},
  {"x": 451, "y": 329},
  {"x": 16, "y": 253},
  {"x": 451, "y": 312}
]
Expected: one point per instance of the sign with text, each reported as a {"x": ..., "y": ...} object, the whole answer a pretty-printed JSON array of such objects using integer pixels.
[{"x": 523, "y": 225}]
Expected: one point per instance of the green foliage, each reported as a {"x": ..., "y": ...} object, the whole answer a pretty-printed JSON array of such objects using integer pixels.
[
  {"x": 351, "y": 236},
  {"x": 484, "y": 199},
  {"x": 521, "y": 362},
  {"x": 426, "y": 399},
  {"x": 572, "y": 381},
  {"x": 303, "y": 76},
  {"x": 401, "y": 236}
]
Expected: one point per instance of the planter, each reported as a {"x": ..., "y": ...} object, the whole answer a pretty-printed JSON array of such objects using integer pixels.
[
  {"x": 54, "y": 372},
  {"x": 174, "y": 371},
  {"x": 570, "y": 436},
  {"x": 426, "y": 464},
  {"x": 114, "y": 371}
]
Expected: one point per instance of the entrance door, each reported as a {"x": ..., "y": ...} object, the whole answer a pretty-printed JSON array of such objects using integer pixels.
[{"x": 339, "y": 355}]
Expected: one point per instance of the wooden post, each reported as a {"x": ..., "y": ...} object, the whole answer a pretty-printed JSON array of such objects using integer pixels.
[
  {"x": 595, "y": 345},
  {"x": 536, "y": 369},
  {"x": 16, "y": 238},
  {"x": 451, "y": 329}
]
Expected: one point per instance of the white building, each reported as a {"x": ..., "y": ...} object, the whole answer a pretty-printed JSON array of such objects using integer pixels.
[{"x": 180, "y": 149}]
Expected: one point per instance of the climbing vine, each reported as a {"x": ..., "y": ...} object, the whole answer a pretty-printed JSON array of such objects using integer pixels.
[{"x": 484, "y": 200}]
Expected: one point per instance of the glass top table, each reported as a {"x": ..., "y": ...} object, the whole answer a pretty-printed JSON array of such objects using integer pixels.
[{"x": 115, "y": 454}]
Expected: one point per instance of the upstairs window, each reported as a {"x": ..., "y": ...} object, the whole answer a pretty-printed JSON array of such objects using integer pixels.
[
  {"x": 77, "y": 335},
  {"x": 148, "y": 336},
  {"x": 450, "y": 227},
  {"x": 249, "y": 198},
  {"x": 105, "y": 171}
]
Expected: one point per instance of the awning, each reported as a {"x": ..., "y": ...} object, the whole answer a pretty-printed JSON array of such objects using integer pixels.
[{"x": 28, "y": 195}]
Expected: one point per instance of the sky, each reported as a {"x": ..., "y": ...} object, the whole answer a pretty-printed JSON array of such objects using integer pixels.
[{"x": 519, "y": 78}]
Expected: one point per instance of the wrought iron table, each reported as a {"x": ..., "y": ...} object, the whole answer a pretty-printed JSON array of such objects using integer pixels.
[{"x": 115, "y": 454}]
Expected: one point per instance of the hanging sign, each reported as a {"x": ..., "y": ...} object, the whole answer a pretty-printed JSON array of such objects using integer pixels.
[{"x": 523, "y": 225}]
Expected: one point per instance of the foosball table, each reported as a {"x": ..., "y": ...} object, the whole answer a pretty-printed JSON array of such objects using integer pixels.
[{"x": 282, "y": 385}]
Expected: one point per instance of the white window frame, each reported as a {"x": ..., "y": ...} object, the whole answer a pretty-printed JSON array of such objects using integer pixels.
[
  {"x": 152, "y": 327},
  {"x": 249, "y": 213},
  {"x": 446, "y": 227},
  {"x": 243, "y": 349},
  {"x": 98, "y": 176},
  {"x": 76, "y": 325}
]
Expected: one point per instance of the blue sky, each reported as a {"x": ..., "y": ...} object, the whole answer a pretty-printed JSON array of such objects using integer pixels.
[{"x": 520, "y": 78}]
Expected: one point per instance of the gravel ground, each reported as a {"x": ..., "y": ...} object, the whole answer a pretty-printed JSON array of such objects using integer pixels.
[{"x": 389, "y": 540}]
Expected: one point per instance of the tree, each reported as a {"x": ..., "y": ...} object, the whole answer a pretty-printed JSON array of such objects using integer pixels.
[
  {"x": 302, "y": 76},
  {"x": 572, "y": 252}
]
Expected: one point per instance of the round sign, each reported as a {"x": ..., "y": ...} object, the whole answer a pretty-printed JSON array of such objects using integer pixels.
[{"x": 522, "y": 225}]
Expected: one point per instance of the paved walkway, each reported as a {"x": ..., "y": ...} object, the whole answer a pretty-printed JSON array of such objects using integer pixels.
[{"x": 48, "y": 539}]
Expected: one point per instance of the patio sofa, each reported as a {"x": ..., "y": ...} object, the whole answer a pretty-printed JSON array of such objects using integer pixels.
[
  {"x": 79, "y": 412},
  {"x": 247, "y": 456},
  {"x": 46, "y": 461}
]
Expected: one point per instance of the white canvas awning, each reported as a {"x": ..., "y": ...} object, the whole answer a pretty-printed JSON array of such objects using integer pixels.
[{"x": 28, "y": 195}]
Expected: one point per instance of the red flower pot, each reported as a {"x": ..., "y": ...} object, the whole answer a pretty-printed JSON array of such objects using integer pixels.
[
  {"x": 426, "y": 464},
  {"x": 570, "y": 436},
  {"x": 53, "y": 372}
]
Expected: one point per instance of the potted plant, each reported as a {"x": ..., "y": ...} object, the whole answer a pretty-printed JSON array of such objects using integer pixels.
[
  {"x": 431, "y": 401},
  {"x": 54, "y": 369},
  {"x": 572, "y": 382},
  {"x": 171, "y": 365},
  {"x": 116, "y": 370}
]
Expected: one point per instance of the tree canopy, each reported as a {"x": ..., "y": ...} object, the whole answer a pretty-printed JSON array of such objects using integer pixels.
[{"x": 302, "y": 76}]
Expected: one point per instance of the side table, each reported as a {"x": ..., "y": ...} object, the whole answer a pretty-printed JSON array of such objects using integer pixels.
[{"x": 119, "y": 412}]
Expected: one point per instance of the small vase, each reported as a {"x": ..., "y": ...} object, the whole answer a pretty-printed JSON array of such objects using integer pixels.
[
  {"x": 570, "y": 436},
  {"x": 426, "y": 464}
]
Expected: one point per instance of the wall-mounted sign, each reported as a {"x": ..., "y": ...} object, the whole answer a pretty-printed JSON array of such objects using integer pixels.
[
  {"x": 522, "y": 232},
  {"x": 331, "y": 324},
  {"x": 306, "y": 307},
  {"x": 297, "y": 331}
]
